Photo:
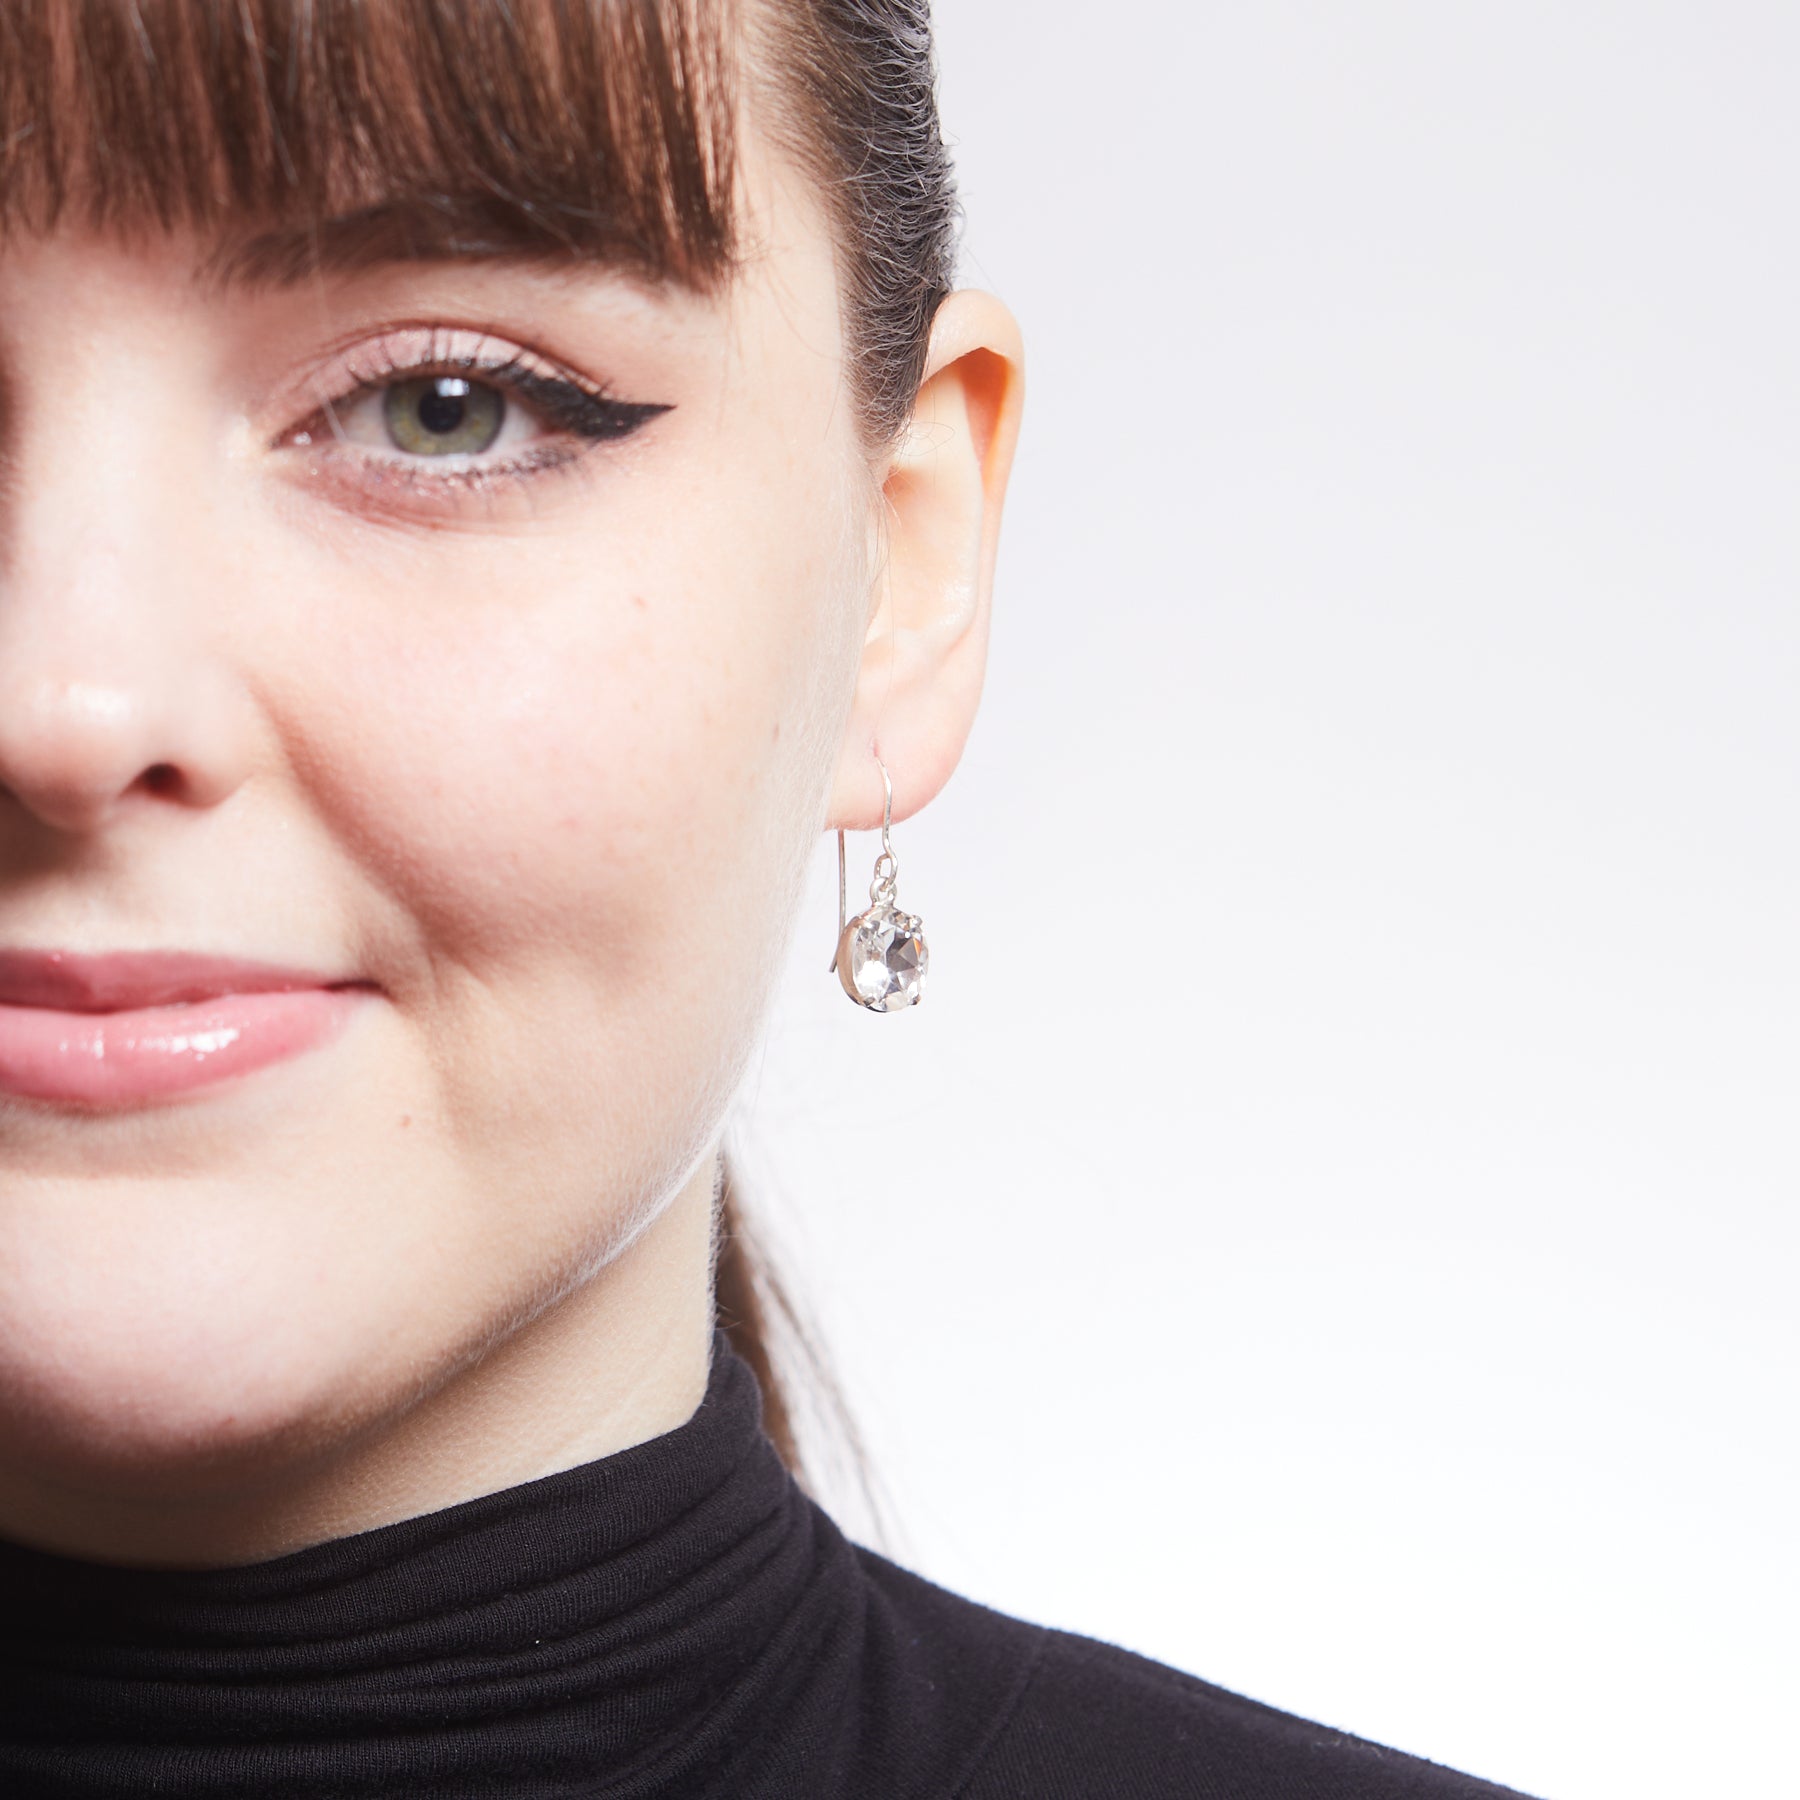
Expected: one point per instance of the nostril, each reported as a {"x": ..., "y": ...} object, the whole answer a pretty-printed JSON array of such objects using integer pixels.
[{"x": 162, "y": 778}]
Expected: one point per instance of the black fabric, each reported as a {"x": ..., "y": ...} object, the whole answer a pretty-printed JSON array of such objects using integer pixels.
[{"x": 677, "y": 1621}]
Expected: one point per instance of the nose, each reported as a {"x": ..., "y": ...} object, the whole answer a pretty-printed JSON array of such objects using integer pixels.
[{"x": 108, "y": 701}]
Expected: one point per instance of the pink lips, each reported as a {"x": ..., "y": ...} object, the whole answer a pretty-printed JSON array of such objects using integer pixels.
[{"x": 124, "y": 1028}]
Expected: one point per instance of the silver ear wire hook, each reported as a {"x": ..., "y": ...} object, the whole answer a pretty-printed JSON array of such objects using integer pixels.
[
  {"x": 887, "y": 856},
  {"x": 843, "y": 907},
  {"x": 880, "y": 956}
]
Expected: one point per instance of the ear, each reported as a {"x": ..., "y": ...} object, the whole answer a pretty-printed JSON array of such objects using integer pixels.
[{"x": 926, "y": 651}]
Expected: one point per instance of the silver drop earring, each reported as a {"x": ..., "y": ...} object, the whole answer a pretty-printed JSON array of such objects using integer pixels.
[{"x": 881, "y": 957}]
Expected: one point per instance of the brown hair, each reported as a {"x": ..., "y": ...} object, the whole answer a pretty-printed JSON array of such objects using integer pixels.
[{"x": 535, "y": 128}]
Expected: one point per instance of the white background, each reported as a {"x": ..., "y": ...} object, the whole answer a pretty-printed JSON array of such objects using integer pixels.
[{"x": 1331, "y": 1225}]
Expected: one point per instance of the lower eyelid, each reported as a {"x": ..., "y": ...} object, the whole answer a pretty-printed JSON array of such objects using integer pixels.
[
  {"x": 527, "y": 459},
  {"x": 365, "y": 480}
]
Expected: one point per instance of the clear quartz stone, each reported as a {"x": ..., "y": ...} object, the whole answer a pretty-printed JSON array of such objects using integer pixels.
[{"x": 887, "y": 958}]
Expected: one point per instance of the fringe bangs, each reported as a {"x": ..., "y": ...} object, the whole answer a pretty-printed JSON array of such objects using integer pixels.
[{"x": 575, "y": 127}]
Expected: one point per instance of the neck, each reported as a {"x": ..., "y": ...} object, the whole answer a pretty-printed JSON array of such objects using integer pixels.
[{"x": 619, "y": 1360}]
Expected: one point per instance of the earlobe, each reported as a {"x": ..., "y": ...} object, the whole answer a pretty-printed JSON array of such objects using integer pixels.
[{"x": 920, "y": 678}]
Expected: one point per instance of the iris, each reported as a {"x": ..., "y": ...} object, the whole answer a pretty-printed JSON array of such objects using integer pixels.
[{"x": 443, "y": 415}]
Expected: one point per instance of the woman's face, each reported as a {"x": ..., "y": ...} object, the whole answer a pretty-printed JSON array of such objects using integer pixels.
[{"x": 510, "y": 710}]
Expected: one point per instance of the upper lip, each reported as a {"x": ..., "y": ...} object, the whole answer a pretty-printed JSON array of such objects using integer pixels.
[{"x": 120, "y": 980}]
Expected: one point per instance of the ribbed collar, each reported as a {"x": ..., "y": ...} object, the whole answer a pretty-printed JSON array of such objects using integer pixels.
[{"x": 614, "y": 1629}]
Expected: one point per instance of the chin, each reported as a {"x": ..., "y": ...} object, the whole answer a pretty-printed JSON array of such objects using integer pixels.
[{"x": 171, "y": 1358}]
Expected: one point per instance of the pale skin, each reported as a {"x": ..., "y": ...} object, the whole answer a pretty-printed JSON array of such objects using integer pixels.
[{"x": 542, "y": 762}]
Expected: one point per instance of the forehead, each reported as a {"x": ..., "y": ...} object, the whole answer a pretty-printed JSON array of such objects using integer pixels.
[{"x": 330, "y": 135}]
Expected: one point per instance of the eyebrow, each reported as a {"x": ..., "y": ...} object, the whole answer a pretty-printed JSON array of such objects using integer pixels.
[{"x": 441, "y": 228}]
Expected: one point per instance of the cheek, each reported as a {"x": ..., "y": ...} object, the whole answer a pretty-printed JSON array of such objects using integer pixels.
[{"x": 578, "y": 784}]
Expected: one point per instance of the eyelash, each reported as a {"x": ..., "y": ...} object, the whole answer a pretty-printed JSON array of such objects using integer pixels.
[{"x": 580, "y": 411}]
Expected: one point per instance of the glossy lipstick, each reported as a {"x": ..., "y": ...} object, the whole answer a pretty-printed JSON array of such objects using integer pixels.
[{"x": 130, "y": 1027}]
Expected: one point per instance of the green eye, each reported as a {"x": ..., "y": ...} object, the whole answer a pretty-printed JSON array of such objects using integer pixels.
[{"x": 442, "y": 415}]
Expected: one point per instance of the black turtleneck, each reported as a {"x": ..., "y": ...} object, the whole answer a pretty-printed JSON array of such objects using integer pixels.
[{"x": 674, "y": 1622}]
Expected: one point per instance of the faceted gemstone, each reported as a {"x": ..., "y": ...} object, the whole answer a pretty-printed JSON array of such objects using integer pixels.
[{"x": 887, "y": 959}]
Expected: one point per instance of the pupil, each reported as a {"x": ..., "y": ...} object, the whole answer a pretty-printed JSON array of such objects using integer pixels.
[{"x": 444, "y": 405}]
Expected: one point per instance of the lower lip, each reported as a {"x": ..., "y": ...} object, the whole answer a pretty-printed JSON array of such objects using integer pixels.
[{"x": 124, "y": 1058}]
